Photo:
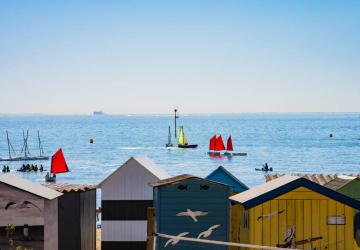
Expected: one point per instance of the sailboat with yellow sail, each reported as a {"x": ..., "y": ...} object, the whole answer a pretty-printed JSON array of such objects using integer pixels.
[{"x": 183, "y": 141}]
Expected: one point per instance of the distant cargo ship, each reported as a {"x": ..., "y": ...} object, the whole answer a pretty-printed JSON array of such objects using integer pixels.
[{"x": 98, "y": 113}]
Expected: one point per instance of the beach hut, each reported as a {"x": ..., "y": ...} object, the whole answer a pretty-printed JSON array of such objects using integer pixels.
[
  {"x": 236, "y": 186},
  {"x": 291, "y": 211},
  {"x": 125, "y": 197},
  {"x": 76, "y": 216},
  {"x": 193, "y": 207},
  {"x": 32, "y": 209},
  {"x": 222, "y": 175}
]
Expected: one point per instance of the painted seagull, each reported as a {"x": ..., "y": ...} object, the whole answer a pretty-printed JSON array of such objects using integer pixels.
[
  {"x": 208, "y": 232},
  {"x": 270, "y": 215},
  {"x": 192, "y": 214},
  {"x": 9, "y": 205},
  {"x": 174, "y": 240},
  {"x": 24, "y": 204}
]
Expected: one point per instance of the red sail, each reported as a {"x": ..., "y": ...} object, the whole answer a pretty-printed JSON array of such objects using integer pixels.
[
  {"x": 58, "y": 163},
  {"x": 219, "y": 145},
  {"x": 212, "y": 143},
  {"x": 229, "y": 146}
]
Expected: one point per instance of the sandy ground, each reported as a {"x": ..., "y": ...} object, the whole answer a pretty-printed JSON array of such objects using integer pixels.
[{"x": 98, "y": 239}]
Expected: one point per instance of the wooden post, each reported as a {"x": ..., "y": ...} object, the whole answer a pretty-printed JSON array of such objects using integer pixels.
[{"x": 150, "y": 228}]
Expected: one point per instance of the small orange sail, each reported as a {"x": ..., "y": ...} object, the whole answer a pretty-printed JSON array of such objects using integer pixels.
[
  {"x": 58, "y": 163},
  {"x": 219, "y": 145},
  {"x": 229, "y": 146},
  {"x": 212, "y": 143}
]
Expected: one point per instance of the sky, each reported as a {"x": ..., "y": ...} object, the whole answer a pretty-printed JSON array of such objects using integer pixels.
[{"x": 202, "y": 56}]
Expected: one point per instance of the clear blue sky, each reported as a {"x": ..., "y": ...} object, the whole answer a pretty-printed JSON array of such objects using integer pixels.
[{"x": 74, "y": 57}]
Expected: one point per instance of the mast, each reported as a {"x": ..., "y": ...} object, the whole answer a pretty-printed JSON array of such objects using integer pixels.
[
  {"x": 176, "y": 117},
  {"x": 41, "y": 151},
  {"x": 8, "y": 141},
  {"x": 169, "y": 137}
]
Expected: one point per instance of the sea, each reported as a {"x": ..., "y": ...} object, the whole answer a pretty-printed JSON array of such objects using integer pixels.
[{"x": 288, "y": 142}]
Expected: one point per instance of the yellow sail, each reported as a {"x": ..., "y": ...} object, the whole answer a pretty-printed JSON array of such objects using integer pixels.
[
  {"x": 181, "y": 136},
  {"x": 185, "y": 140}
]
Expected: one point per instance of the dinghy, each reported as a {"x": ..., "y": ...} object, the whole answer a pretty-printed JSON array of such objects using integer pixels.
[
  {"x": 229, "y": 149},
  {"x": 183, "y": 141},
  {"x": 58, "y": 165},
  {"x": 169, "y": 144},
  {"x": 216, "y": 145}
]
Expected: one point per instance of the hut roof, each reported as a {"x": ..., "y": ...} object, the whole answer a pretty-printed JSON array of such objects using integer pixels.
[
  {"x": 147, "y": 164},
  {"x": 284, "y": 184},
  {"x": 178, "y": 178},
  {"x": 340, "y": 181},
  {"x": 67, "y": 187},
  {"x": 321, "y": 179},
  {"x": 222, "y": 175},
  {"x": 29, "y": 186}
]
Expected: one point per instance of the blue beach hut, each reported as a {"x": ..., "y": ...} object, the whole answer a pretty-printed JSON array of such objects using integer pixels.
[
  {"x": 223, "y": 176},
  {"x": 191, "y": 206}
]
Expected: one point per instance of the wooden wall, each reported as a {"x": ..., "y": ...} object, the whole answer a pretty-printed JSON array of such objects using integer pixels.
[
  {"x": 170, "y": 200},
  {"x": 125, "y": 197},
  {"x": 77, "y": 220},
  {"x": 307, "y": 212}
]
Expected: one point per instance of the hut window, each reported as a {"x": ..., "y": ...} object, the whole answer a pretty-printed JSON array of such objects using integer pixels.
[
  {"x": 246, "y": 219},
  {"x": 204, "y": 187},
  {"x": 182, "y": 187},
  {"x": 336, "y": 220}
]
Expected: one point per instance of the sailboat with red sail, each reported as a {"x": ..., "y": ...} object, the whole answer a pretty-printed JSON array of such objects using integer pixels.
[
  {"x": 58, "y": 165},
  {"x": 216, "y": 145},
  {"x": 230, "y": 149}
]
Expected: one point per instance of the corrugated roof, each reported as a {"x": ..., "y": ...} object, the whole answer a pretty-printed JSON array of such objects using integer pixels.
[
  {"x": 29, "y": 186},
  {"x": 321, "y": 179},
  {"x": 340, "y": 181},
  {"x": 285, "y": 184},
  {"x": 181, "y": 178},
  {"x": 146, "y": 163},
  {"x": 67, "y": 187}
]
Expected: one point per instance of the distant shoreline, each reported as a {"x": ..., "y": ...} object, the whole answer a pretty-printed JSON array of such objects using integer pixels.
[{"x": 186, "y": 114}]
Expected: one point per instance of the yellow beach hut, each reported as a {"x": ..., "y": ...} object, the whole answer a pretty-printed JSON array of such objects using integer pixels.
[{"x": 295, "y": 212}]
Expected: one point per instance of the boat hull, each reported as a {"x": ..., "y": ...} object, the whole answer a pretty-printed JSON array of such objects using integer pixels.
[
  {"x": 235, "y": 154},
  {"x": 50, "y": 178},
  {"x": 187, "y": 146},
  {"x": 26, "y": 158},
  {"x": 263, "y": 170}
]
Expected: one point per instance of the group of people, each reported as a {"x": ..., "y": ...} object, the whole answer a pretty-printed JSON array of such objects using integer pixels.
[
  {"x": 32, "y": 167},
  {"x": 6, "y": 169}
]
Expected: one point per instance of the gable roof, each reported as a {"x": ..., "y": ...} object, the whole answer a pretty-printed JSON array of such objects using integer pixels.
[
  {"x": 341, "y": 181},
  {"x": 321, "y": 179},
  {"x": 182, "y": 177},
  {"x": 147, "y": 164},
  {"x": 284, "y": 184},
  {"x": 29, "y": 186},
  {"x": 222, "y": 175}
]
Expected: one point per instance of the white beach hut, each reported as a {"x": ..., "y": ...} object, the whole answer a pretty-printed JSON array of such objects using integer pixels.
[
  {"x": 29, "y": 207},
  {"x": 125, "y": 197}
]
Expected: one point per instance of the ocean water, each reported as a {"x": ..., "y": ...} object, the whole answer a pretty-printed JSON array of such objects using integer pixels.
[{"x": 287, "y": 142}]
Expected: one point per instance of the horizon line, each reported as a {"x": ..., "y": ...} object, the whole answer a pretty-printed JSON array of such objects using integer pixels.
[{"x": 171, "y": 114}]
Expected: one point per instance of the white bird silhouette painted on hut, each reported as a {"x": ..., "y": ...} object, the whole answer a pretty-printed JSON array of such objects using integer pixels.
[
  {"x": 192, "y": 214},
  {"x": 208, "y": 232},
  {"x": 174, "y": 240}
]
